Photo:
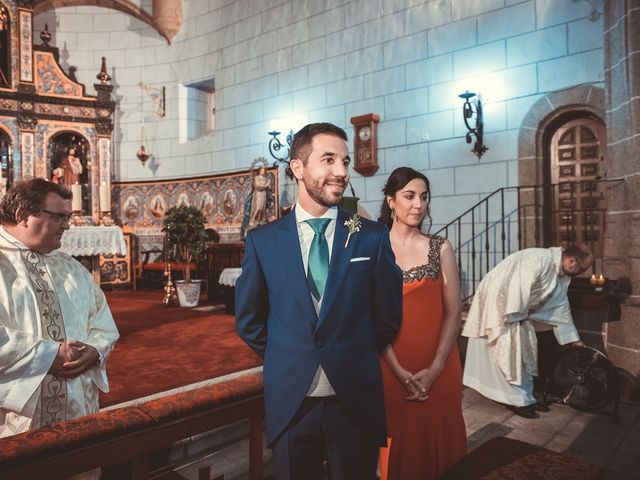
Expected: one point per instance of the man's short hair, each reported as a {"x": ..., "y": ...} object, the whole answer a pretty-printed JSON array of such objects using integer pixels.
[
  {"x": 28, "y": 196},
  {"x": 578, "y": 251},
  {"x": 301, "y": 145}
]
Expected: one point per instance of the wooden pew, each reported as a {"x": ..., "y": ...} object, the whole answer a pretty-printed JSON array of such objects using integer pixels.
[{"x": 131, "y": 434}]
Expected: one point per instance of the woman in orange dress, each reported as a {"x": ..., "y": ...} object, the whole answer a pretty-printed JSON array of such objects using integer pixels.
[{"x": 421, "y": 368}]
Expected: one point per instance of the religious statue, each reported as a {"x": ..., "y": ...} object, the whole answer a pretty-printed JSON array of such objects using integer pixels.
[
  {"x": 70, "y": 169},
  {"x": 256, "y": 204}
]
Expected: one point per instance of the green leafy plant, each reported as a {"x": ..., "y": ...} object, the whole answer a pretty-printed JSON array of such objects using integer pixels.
[{"x": 185, "y": 230}]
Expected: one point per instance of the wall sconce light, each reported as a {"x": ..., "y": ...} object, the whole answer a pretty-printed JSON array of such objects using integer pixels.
[
  {"x": 468, "y": 110},
  {"x": 275, "y": 145}
]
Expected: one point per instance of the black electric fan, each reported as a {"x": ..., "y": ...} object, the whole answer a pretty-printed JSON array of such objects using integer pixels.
[{"x": 584, "y": 378}]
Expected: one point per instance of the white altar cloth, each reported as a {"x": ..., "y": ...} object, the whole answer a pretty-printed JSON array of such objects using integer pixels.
[
  {"x": 90, "y": 241},
  {"x": 228, "y": 276}
]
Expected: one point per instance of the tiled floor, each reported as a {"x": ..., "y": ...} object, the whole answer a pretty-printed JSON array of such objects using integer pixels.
[{"x": 595, "y": 437}]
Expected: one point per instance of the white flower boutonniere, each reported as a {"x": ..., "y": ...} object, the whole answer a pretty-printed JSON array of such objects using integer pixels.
[{"x": 353, "y": 224}]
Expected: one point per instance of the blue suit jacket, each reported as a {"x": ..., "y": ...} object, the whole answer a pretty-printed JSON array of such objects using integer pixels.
[{"x": 360, "y": 314}]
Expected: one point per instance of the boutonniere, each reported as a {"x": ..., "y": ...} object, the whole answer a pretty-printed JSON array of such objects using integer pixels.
[{"x": 353, "y": 224}]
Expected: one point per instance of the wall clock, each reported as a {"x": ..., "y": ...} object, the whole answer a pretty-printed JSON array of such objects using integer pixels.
[{"x": 365, "y": 143}]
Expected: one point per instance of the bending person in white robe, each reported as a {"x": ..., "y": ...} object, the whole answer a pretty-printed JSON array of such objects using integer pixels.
[
  {"x": 56, "y": 329},
  {"x": 524, "y": 292}
]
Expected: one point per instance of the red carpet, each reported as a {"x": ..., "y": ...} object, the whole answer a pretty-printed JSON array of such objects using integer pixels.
[{"x": 161, "y": 348}]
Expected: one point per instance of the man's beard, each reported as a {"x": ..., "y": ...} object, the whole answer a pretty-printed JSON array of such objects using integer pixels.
[{"x": 320, "y": 196}]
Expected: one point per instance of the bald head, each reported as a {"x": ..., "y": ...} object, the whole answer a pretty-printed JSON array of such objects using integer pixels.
[{"x": 576, "y": 259}]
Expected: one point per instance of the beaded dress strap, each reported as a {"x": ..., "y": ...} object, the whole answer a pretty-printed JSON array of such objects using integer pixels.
[{"x": 432, "y": 268}]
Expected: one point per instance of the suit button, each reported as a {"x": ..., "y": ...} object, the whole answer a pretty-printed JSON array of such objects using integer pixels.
[{"x": 319, "y": 343}]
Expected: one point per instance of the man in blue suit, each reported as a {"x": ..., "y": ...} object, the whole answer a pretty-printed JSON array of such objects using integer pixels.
[{"x": 319, "y": 297}]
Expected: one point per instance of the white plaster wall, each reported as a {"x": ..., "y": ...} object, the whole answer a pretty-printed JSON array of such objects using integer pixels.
[{"x": 281, "y": 64}]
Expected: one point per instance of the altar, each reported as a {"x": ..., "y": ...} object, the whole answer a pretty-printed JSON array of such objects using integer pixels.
[{"x": 92, "y": 243}]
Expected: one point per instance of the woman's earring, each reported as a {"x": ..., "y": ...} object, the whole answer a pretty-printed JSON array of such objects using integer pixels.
[{"x": 393, "y": 214}]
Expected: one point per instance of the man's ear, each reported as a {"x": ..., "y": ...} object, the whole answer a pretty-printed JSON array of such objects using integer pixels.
[
  {"x": 297, "y": 167},
  {"x": 21, "y": 217}
]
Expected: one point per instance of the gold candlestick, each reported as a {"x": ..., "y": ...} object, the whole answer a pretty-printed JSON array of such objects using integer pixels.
[
  {"x": 76, "y": 218},
  {"x": 106, "y": 220},
  {"x": 170, "y": 296}
]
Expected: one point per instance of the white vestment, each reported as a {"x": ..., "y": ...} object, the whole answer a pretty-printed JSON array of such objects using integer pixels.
[
  {"x": 525, "y": 291},
  {"x": 26, "y": 354}
]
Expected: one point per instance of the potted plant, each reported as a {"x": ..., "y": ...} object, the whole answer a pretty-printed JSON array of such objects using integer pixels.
[{"x": 185, "y": 231}]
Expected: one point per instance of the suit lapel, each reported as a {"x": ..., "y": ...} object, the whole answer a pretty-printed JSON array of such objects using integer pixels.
[
  {"x": 289, "y": 242},
  {"x": 340, "y": 258}
]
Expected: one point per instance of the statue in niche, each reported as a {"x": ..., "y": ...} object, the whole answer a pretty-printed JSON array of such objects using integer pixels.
[
  {"x": 70, "y": 162},
  {"x": 70, "y": 169}
]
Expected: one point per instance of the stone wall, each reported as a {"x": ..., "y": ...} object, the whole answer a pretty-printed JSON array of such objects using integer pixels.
[
  {"x": 284, "y": 63},
  {"x": 622, "y": 247}
]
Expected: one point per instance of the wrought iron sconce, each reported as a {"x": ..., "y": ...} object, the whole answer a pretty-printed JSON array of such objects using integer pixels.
[
  {"x": 468, "y": 111},
  {"x": 275, "y": 145}
]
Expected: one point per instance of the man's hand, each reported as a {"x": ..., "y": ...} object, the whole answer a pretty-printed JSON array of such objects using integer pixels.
[
  {"x": 579, "y": 343},
  {"x": 66, "y": 353},
  {"x": 84, "y": 357}
]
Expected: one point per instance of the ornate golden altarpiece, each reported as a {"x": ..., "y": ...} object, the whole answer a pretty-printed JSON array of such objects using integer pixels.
[{"x": 42, "y": 107}]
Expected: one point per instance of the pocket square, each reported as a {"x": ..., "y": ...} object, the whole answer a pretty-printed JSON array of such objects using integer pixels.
[{"x": 360, "y": 259}]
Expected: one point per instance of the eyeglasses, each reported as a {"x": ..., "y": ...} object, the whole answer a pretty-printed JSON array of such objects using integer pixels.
[{"x": 58, "y": 217}]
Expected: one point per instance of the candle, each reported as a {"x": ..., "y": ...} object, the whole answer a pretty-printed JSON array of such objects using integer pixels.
[
  {"x": 76, "y": 199},
  {"x": 601, "y": 280},
  {"x": 105, "y": 198},
  {"x": 593, "y": 280}
]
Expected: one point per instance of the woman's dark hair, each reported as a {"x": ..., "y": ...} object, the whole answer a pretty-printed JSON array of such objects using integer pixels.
[
  {"x": 396, "y": 182},
  {"x": 28, "y": 196}
]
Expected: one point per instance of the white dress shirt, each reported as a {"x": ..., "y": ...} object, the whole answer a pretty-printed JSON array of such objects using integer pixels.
[{"x": 320, "y": 387}]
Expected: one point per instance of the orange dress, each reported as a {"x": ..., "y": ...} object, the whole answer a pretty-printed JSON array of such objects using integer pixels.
[{"x": 426, "y": 437}]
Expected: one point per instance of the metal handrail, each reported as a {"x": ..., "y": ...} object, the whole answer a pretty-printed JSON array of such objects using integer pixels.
[{"x": 512, "y": 222}]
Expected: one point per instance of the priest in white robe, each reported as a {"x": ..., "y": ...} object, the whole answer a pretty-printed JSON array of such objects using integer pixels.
[
  {"x": 525, "y": 292},
  {"x": 56, "y": 329}
]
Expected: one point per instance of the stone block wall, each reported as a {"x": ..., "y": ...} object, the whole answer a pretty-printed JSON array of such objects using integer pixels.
[{"x": 283, "y": 63}]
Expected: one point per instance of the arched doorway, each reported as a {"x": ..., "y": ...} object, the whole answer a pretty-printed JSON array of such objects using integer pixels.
[
  {"x": 559, "y": 112},
  {"x": 577, "y": 206}
]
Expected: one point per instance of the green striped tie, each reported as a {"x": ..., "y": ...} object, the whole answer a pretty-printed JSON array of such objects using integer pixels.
[{"x": 318, "y": 267}]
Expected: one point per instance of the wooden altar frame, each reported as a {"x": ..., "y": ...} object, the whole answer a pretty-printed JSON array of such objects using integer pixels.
[{"x": 43, "y": 101}]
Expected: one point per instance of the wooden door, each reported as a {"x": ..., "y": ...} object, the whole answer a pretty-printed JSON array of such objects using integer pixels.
[{"x": 577, "y": 168}]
